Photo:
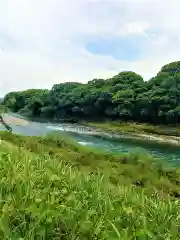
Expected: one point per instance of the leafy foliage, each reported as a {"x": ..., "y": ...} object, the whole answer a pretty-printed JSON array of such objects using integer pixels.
[{"x": 125, "y": 96}]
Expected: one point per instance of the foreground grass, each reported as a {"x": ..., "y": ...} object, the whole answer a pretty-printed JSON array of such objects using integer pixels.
[
  {"x": 138, "y": 128},
  {"x": 52, "y": 188}
]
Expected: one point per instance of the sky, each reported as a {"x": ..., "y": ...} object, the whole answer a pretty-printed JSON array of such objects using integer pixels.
[{"x": 45, "y": 42}]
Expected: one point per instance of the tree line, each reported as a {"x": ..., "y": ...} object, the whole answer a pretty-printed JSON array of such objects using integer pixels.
[{"x": 125, "y": 96}]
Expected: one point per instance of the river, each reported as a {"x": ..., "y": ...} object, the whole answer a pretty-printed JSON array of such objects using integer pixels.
[{"x": 85, "y": 136}]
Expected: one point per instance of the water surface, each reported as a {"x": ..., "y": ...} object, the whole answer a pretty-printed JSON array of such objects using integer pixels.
[{"x": 85, "y": 137}]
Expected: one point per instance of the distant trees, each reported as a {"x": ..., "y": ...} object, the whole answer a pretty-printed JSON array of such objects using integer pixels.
[
  {"x": 125, "y": 96},
  {"x": 171, "y": 68},
  {"x": 26, "y": 100}
]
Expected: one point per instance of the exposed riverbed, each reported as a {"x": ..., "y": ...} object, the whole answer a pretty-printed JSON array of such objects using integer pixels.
[{"x": 101, "y": 140}]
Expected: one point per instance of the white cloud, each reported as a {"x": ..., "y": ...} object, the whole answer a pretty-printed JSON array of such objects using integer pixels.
[{"x": 43, "y": 42}]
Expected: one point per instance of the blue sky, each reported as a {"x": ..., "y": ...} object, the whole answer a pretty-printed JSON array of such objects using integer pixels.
[
  {"x": 44, "y": 42},
  {"x": 122, "y": 48}
]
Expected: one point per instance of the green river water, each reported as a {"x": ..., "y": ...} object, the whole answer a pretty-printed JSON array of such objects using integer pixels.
[{"x": 85, "y": 137}]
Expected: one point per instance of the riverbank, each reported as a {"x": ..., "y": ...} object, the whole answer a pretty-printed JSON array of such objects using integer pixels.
[
  {"x": 163, "y": 134},
  {"x": 53, "y": 188},
  {"x": 12, "y": 120}
]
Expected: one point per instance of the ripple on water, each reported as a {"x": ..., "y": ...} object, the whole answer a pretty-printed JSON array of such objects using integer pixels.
[
  {"x": 85, "y": 143},
  {"x": 56, "y": 128}
]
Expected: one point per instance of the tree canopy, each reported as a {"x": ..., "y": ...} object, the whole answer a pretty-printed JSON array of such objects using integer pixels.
[{"x": 126, "y": 96}]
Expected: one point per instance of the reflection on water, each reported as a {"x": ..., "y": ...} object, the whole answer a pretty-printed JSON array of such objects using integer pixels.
[{"x": 84, "y": 137}]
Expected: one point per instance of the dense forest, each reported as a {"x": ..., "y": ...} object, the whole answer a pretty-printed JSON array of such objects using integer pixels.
[{"x": 125, "y": 96}]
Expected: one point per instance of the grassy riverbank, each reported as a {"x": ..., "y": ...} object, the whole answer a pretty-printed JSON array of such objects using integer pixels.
[
  {"x": 138, "y": 128},
  {"x": 52, "y": 188}
]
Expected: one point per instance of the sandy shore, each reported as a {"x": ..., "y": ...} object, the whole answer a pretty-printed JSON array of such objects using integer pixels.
[
  {"x": 11, "y": 120},
  {"x": 161, "y": 138}
]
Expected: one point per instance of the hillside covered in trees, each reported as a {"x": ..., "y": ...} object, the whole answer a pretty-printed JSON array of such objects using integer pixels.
[{"x": 125, "y": 96}]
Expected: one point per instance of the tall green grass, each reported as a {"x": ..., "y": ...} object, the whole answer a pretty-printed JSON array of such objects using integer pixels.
[{"x": 52, "y": 188}]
